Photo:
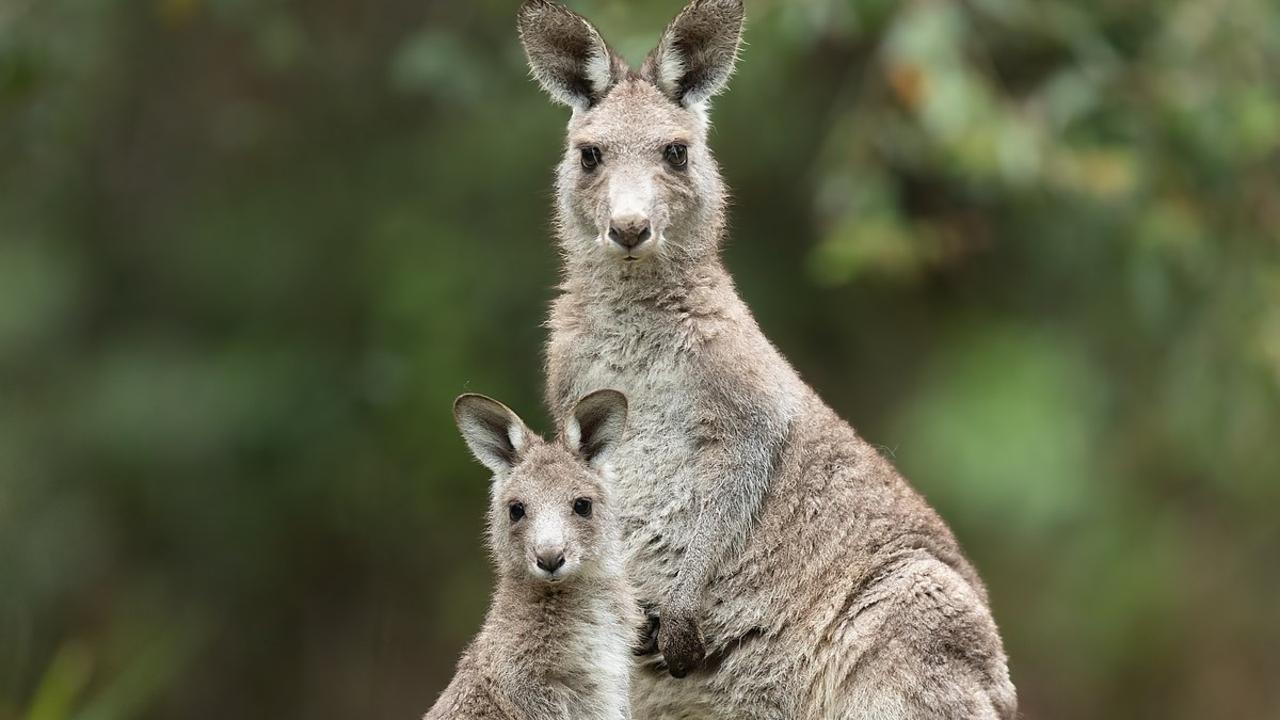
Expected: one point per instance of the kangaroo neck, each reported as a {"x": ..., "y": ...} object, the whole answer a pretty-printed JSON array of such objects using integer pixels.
[{"x": 659, "y": 282}]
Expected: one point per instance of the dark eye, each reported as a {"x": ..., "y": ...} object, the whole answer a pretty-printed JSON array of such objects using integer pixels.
[
  {"x": 516, "y": 511},
  {"x": 676, "y": 154},
  {"x": 582, "y": 506},
  {"x": 591, "y": 157}
]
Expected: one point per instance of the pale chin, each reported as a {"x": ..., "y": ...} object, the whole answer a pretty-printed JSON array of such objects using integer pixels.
[{"x": 641, "y": 251}]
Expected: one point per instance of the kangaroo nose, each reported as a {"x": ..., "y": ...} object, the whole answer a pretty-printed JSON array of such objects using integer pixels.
[
  {"x": 629, "y": 230},
  {"x": 551, "y": 561}
]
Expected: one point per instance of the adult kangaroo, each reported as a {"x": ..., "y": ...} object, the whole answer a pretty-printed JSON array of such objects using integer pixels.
[{"x": 794, "y": 573}]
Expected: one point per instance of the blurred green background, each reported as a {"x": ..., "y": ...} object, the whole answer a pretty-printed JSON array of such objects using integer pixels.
[{"x": 250, "y": 251}]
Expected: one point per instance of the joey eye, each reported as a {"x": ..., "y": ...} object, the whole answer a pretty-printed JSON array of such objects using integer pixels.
[
  {"x": 516, "y": 511},
  {"x": 677, "y": 155},
  {"x": 591, "y": 157},
  {"x": 582, "y": 506}
]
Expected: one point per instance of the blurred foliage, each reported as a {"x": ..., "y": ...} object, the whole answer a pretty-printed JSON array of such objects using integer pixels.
[{"x": 250, "y": 250}]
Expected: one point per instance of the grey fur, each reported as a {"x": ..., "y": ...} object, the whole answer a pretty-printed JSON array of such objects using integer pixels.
[
  {"x": 566, "y": 54},
  {"x": 550, "y": 649},
  {"x": 696, "y": 54},
  {"x": 797, "y": 575}
]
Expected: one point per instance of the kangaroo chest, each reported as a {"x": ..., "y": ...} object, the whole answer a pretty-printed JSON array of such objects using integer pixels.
[{"x": 655, "y": 469}]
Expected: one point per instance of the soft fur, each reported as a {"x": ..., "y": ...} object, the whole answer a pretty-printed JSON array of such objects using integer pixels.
[
  {"x": 549, "y": 649},
  {"x": 795, "y": 573},
  {"x": 697, "y": 51}
]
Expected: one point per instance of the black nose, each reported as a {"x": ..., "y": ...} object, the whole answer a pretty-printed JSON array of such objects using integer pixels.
[
  {"x": 629, "y": 231},
  {"x": 550, "y": 562}
]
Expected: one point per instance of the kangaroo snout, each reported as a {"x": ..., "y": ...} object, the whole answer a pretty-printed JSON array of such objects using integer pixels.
[
  {"x": 630, "y": 231},
  {"x": 550, "y": 560}
]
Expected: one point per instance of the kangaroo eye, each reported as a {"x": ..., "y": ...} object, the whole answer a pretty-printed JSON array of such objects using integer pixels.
[
  {"x": 582, "y": 506},
  {"x": 591, "y": 157},
  {"x": 516, "y": 511},
  {"x": 676, "y": 154}
]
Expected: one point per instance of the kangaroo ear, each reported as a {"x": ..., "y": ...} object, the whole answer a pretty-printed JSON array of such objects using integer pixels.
[
  {"x": 566, "y": 54},
  {"x": 595, "y": 427},
  {"x": 494, "y": 433},
  {"x": 695, "y": 57}
]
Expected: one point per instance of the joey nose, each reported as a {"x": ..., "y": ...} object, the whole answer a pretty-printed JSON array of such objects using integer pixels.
[
  {"x": 551, "y": 561},
  {"x": 629, "y": 230}
]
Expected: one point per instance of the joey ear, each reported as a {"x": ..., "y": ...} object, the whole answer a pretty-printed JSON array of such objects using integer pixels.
[
  {"x": 595, "y": 427},
  {"x": 695, "y": 57},
  {"x": 566, "y": 54},
  {"x": 493, "y": 432}
]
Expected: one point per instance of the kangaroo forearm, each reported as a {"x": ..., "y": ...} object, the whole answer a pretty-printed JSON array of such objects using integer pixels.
[
  {"x": 735, "y": 491},
  {"x": 744, "y": 419}
]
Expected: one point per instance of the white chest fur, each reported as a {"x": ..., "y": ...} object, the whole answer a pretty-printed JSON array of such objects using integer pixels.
[
  {"x": 648, "y": 358},
  {"x": 605, "y": 654}
]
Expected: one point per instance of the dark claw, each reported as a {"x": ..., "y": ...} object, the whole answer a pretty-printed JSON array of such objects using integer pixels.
[
  {"x": 683, "y": 661},
  {"x": 678, "y": 669},
  {"x": 681, "y": 646},
  {"x": 649, "y": 640}
]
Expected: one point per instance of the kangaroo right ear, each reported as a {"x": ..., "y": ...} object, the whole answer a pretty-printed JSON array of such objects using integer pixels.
[
  {"x": 494, "y": 433},
  {"x": 566, "y": 54},
  {"x": 595, "y": 427},
  {"x": 696, "y": 54}
]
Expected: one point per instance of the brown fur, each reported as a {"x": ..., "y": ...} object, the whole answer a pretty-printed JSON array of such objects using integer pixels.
[
  {"x": 796, "y": 574},
  {"x": 553, "y": 646}
]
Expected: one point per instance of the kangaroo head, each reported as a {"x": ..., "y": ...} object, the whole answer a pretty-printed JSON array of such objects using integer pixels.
[
  {"x": 637, "y": 181},
  {"x": 550, "y": 518}
]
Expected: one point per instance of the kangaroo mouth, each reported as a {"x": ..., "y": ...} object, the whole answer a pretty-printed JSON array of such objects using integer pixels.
[
  {"x": 636, "y": 252},
  {"x": 629, "y": 253}
]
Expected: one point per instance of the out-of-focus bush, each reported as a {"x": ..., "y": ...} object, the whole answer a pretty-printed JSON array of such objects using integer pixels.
[{"x": 249, "y": 251}]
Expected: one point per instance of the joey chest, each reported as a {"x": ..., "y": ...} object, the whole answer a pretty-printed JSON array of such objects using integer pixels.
[
  {"x": 582, "y": 664},
  {"x": 606, "y": 652}
]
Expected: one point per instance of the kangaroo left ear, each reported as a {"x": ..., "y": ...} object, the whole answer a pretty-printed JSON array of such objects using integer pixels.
[
  {"x": 595, "y": 426},
  {"x": 695, "y": 57}
]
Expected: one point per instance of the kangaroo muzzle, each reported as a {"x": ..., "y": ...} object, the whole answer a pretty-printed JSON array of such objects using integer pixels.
[{"x": 630, "y": 229}]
